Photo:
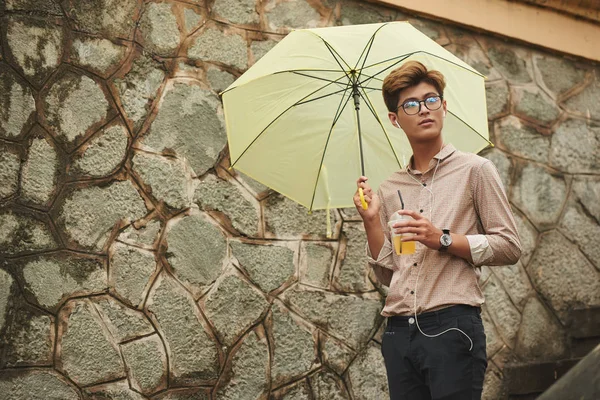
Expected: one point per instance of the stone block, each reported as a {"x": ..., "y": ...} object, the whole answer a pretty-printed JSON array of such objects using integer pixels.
[
  {"x": 557, "y": 74},
  {"x": 40, "y": 172},
  {"x": 368, "y": 375},
  {"x": 585, "y": 103},
  {"x": 512, "y": 63},
  {"x": 10, "y": 166},
  {"x": 233, "y": 306},
  {"x": 515, "y": 280},
  {"x": 74, "y": 106},
  {"x": 158, "y": 29},
  {"x": 101, "y": 56},
  {"x": 109, "y": 18},
  {"x": 504, "y": 165},
  {"x": 563, "y": 276},
  {"x": 196, "y": 251},
  {"x": 493, "y": 341},
  {"x": 316, "y": 261},
  {"x": 248, "y": 374},
  {"x": 540, "y": 193},
  {"x": 213, "y": 45},
  {"x": 575, "y": 145},
  {"x": 350, "y": 317},
  {"x": 286, "y": 219},
  {"x": 194, "y": 357},
  {"x": 238, "y": 208},
  {"x": 521, "y": 140},
  {"x": 113, "y": 390},
  {"x": 352, "y": 274},
  {"x": 219, "y": 80},
  {"x": 237, "y": 11},
  {"x": 505, "y": 315},
  {"x": 587, "y": 190},
  {"x": 23, "y": 233},
  {"x": 49, "y": 7},
  {"x": 190, "y": 123},
  {"x": 123, "y": 323},
  {"x": 293, "y": 346},
  {"x": 335, "y": 354},
  {"x": 146, "y": 363},
  {"x": 528, "y": 237},
  {"x": 270, "y": 266},
  {"x": 533, "y": 104},
  {"x": 29, "y": 337},
  {"x": 191, "y": 19},
  {"x": 326, "y": 385},
  {"x": 541, "y": 336},
  {"x": 103, "y": 154},
  {"x": 168, "y": 180},
  {"x": 137, "y": 88},
  {"x": 35, "y": 46},
  {"x": 131, "y": 271},
  {"x": 144, "y": 235},
  {"x": 359, "y": 12},
  {"x": 582, "y": 229},
  {"x": 36, "y": 384},
  {"x": 497, "y": 98},
  {"x": 291, "y": 14},
  {"x": 86, "y": 351},
  {"x": 260, "y": 48},
  {"x": 17, "y": 104},
  {"x": 88, "y": 214},
  {"x": 50, "y": 279}
]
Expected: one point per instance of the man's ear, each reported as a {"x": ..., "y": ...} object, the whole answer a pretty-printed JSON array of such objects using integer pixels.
[{"x": 394, "y": 120}]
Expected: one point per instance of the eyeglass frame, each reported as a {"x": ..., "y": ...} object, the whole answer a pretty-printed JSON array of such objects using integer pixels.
[{"x": 421, "y": 102}]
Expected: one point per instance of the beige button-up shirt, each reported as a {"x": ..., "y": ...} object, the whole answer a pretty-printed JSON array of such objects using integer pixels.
[{"x": 461, "y": 192}]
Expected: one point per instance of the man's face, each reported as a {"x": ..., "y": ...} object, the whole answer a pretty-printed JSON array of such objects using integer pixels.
[{"x": 417, "y": 113}]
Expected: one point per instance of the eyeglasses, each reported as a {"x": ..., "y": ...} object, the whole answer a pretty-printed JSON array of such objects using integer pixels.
[{"x": 412, "y": 107}]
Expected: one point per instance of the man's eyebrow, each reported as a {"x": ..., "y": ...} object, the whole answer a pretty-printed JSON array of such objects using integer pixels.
[{"x": 424, "y": 97}]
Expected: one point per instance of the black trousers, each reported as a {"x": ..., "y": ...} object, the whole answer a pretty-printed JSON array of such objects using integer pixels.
[{"x": 439, "y": 368}]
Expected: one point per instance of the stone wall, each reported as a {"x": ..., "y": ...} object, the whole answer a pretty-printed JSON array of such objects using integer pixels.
[{"x": 134, "y": 264}]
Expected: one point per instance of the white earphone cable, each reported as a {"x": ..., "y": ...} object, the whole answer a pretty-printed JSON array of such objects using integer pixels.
[{"x": 430, "y": 190}]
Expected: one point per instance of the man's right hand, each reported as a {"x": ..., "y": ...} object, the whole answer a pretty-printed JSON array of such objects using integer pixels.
[{"x": 372, "y": 212}]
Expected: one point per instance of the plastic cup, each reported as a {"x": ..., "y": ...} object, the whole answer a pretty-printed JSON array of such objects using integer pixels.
[{"x": 400, "y": 247}]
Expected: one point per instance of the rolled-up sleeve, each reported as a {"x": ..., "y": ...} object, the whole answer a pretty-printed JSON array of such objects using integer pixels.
[{"x": 497, "y": 221}]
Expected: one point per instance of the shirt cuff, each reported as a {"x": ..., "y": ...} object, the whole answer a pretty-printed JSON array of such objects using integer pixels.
[
  {"x": 385, "y": 258},
  {"x": 481, "y": 251}
]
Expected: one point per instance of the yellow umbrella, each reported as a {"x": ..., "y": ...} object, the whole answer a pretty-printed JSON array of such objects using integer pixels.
[{"x": 308, "y": 118}]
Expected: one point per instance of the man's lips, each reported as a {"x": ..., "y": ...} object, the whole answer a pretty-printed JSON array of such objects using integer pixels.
[{"x": 425, "y": 121}]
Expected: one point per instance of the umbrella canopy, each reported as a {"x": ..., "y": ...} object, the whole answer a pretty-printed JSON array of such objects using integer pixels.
[{"x": 308, "y": 118}]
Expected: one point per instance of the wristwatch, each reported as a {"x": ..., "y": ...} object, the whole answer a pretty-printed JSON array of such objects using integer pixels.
[{"x": 445, "y": 240}]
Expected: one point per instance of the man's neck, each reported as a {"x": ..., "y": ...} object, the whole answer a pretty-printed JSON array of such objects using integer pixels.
[{"x": 424, "y": 152}]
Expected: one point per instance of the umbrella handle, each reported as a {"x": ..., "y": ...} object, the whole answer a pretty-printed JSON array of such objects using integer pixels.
[{"x": 362, "y": 199}]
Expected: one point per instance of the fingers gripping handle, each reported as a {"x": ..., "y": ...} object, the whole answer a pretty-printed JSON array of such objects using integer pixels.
[{"x": 363, "y": 202}]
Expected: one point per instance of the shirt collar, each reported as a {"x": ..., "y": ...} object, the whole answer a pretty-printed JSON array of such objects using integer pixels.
[{"x": 444, "y": 153}]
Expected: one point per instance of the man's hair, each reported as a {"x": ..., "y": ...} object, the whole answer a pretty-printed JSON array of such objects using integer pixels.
[{"x": 408, "y": 75}]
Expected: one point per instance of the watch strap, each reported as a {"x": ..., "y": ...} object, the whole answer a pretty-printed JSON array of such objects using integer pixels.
[{"x": 442, "y": 247}]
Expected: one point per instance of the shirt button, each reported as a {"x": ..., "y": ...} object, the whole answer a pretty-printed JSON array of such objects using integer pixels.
[
  {"x": 412, "y": 292},
  {"x": 411, "y": 320},
  {"x": 421, "y": 210},
  {"x": 415, "y": 264},
  {"x": 424, "y": 184}
]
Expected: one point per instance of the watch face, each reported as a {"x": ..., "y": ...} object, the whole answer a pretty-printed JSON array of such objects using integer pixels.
[{"x": 446, "y": 240}]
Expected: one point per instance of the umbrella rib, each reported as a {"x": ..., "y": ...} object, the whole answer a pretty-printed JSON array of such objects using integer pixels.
[
  {"x": 372, "y": 109},
  {"x": 470, "y": 127},
  {"x": 368, "y": 50},
  {"x": 318, "y": 77},
  {"x": 276, "y": 118},
  {"x": 335, "y": 120},
  {"x": 416, "y": 52},
  {"x": 322, "y": 97}
]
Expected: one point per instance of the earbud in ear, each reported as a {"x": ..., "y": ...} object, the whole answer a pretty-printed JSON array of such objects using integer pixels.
[
  {"x": 397, "y": 124},
  {"x": 444, "y": 113}
]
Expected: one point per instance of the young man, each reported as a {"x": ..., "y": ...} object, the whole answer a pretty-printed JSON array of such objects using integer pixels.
[{"x": 434, "y": 344}]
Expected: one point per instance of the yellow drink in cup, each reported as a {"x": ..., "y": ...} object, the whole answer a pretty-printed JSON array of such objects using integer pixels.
[{"x": 401, "y": 247}]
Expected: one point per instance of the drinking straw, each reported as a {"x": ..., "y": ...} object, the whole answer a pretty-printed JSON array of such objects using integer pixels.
[{"x": 401, "y": 201}]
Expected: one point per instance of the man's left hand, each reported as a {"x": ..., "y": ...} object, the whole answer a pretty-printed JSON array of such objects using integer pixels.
[{"x": 422, "y": 228}]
